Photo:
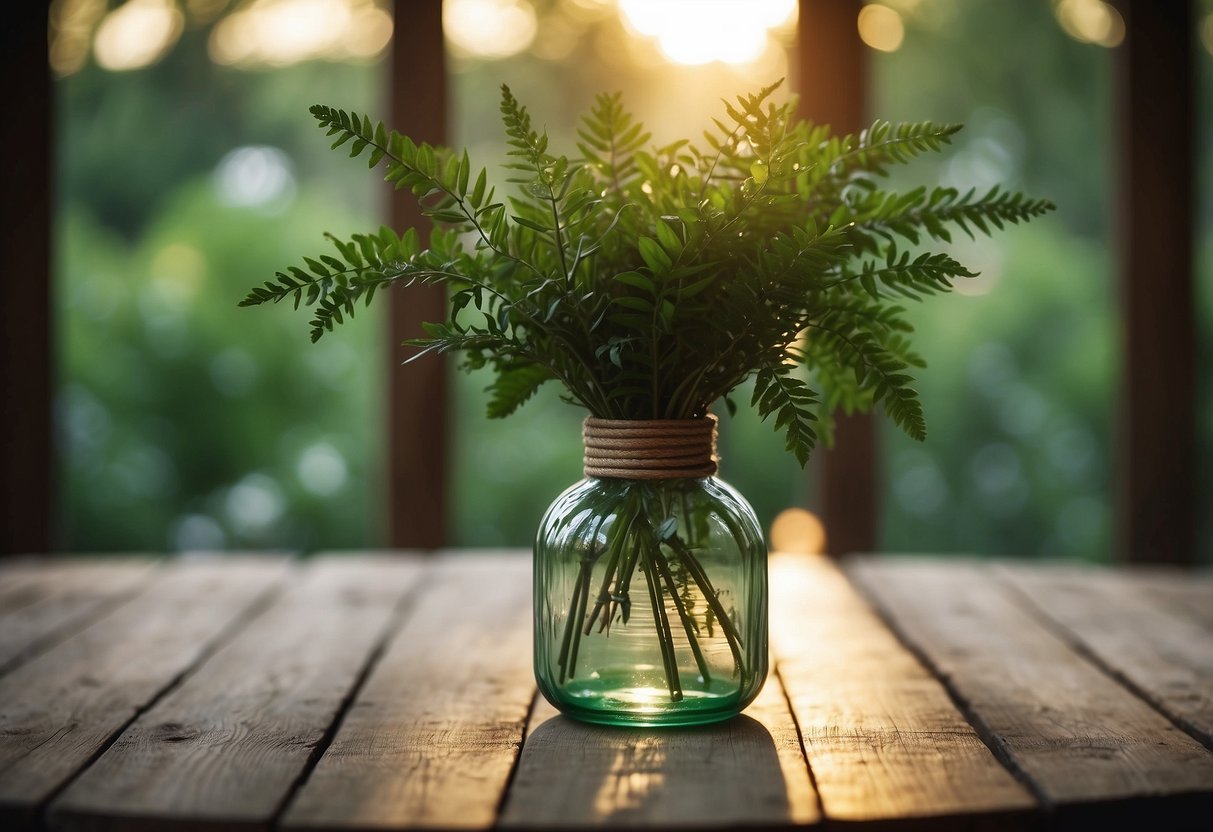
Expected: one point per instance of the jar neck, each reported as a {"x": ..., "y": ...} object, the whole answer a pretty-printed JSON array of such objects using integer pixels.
[{"x": 650, "y": 449}]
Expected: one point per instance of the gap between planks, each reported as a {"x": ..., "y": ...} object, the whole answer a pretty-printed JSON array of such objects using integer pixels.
[
  {"x": 45, "y": 601},
  {"x": 435, "y": 732},
  {"x": 1161, "y": 653},
  {"x": 227, "y": 746},
  {"x": 63, "y": 709},
  {"x": 1083, "y": 741},
  {"x": 883, "y": 739},
  {"x": 403, "y": 607}
]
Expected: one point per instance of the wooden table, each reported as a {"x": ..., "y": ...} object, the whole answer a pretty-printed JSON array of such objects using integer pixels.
[{"x": 396, "y": 692}]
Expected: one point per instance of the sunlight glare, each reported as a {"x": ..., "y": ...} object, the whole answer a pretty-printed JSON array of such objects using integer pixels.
[
  {"x": 799, "y": 531},
  {"x": 137, "y": 34},
  {"x": 283, "y": 32},
  {"x": 732, "y": 31},
  {"x": 636, "y": 774},
  {"x": 880, "y": 27},
  {"x": 1206, "y": 32},
  {"x": 1091, "y": 21},
  {"x": 71, "y": 30},
  {"x": 490, "y": 29},
  {"x": 204, "y": 11}
]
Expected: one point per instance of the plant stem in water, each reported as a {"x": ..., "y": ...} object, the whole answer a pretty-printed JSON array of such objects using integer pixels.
[
  {"x": 619, "y": 599},
  {"x": 583, "y": 580},
  {"x": 709, "y": 593},
  {"x": 618, "y": 542},
  {"x": 570, "y": 624},
  {"x": 688, "y": 623},
  {"x": 664, "y": 635},
  {"x": 577, "y": 604}
]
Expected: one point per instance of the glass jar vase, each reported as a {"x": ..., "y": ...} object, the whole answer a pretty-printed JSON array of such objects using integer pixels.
[{"x": 650, "y": 583}]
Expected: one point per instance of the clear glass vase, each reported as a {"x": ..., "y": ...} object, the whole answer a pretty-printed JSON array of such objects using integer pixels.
[{"x": 650, "y": 602}]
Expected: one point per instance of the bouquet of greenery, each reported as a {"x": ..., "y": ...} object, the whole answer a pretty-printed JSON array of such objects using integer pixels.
[{"x": 652, "y": 282}]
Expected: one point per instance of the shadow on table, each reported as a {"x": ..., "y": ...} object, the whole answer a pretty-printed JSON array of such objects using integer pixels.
[{"x": 722, "y": 774}]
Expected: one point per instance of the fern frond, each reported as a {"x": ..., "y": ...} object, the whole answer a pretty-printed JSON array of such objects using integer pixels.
[
  {"x": 440, "y": 179},
  {"x": 523, "y": 138},
  {"x": 853, "y": 337},
  {"x": 880, "y": 216},
  {"x": 884, "y": 143},
  {"x": 368, "y": 261},
  {"x": 927, "y": 274},
  {"x": 610, "y": 137},
  {"x": 514, "y": 385},
  {"x": 448, "y": 337},
  {"x": 778, "y": 391}
]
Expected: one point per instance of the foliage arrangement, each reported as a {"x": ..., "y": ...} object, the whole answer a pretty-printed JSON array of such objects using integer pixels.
[{"x": 652, "y": 282}]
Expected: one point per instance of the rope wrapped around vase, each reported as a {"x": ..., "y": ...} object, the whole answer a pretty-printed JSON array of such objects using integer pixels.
[{"x": 650, "y": 449}]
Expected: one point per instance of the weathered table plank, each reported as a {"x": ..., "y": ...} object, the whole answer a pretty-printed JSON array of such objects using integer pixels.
[
  {"x": 61, "y": 709},
  {"x": 1189, "y": 594},
  {"x": 882, "y": 736},
  {"x": 46, "y": 603},
  {"x": 227, "y": 745},
  {"x": 22, "y": 580},
  {"x": 748, "y": 771},
  {"x": 433, "y": 735},
  {"x": 1167, "y": 658},
  {"x": 1078, "y": 735},
  {"x": 381, "y": 693}
]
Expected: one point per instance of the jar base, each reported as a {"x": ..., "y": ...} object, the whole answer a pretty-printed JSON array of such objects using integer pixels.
[{"x": 625, "y": 700}]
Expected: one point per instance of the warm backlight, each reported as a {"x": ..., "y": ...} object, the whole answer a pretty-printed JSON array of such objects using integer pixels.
[
  {"x": 283, "y": 32},
  {"x": 732, "y": 31},
  {"x": 1091, "y": 21},
  {"x": 799, "y": 531},
  {"x": 137, "y": 33},
  {"x": 881, "y": 27},
  {"x": 489, "y": 29}
]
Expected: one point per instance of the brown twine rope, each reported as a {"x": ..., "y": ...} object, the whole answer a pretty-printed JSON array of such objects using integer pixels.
[{"x": 650, "y": 449}]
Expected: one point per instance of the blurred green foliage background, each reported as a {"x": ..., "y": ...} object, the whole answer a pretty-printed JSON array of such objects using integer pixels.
[{"x": 187, "y": 423}]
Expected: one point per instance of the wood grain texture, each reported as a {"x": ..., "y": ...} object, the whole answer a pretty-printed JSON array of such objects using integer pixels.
[
  {"x": 49, "y": 601},
  {"x": 433, "y": 735},
  {"x": 23, "y": 579},
  {"x": 61, "y": 709},
  {"x": 1184, "y": 592},
  {"x": 1166, "y": 658},
  {"x": 226, "y": 746},
  {"x": 882, "y": 737},
  {"x": 749, "y": 771},
  {"x": 15, "y": 575},
  {"x": 1076, "y": 734}
]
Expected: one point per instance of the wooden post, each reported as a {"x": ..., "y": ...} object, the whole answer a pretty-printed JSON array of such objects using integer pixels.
[
  {"x": 832, "y": 84},
  {"x": 418, "y": 407},
  {"x": 1156, "y": 503},
  {"x": 26, "y": 346}
]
